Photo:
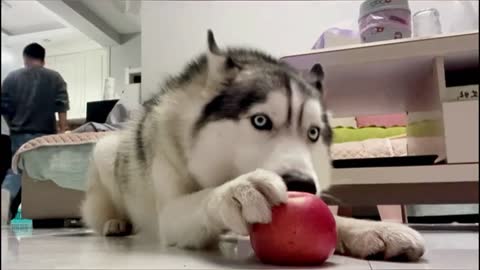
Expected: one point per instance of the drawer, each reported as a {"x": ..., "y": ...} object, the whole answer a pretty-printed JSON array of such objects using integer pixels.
[{"x": 461, "y": 131}]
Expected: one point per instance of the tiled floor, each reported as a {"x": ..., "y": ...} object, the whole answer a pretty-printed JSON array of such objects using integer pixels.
[{"x": 79, "y": 249}]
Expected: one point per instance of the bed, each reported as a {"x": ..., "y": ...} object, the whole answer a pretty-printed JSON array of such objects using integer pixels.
[{"x": 53, "y": 177}]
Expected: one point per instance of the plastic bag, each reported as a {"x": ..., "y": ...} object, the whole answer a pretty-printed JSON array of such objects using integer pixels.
[
  {"x": 340, "y": 34},
  {"x": 464, "y": 17}
]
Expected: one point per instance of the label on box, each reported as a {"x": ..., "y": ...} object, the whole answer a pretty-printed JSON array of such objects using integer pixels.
[{"x": 461, "y": 93}]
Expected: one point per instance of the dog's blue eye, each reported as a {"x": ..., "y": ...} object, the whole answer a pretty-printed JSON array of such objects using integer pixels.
[
  {"x": 261, "y": 122},
  {"x": 314, "y": 134}
]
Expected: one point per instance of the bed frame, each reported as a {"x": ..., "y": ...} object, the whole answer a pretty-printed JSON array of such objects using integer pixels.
[{"x": 49, "y": 205}]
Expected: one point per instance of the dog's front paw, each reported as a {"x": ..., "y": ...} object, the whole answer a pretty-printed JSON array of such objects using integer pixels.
[
  {"x": 381, "y": 240},
  {"x": 246, "y": 200},
  {"x": 117, "y": 227}
]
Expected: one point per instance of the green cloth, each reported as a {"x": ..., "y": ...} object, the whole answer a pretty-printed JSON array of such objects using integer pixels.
[
  {"x": 350, "y": 134},
  {"x": 65, "y": 165}
]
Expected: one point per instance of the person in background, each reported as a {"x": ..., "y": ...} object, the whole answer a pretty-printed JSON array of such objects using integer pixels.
[{"x": 30, "y": 98}]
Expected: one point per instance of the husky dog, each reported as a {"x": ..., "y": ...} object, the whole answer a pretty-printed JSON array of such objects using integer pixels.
[{"x": 216, "y": 149}]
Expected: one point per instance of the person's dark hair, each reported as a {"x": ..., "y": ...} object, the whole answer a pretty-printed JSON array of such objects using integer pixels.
[{"x": 35, "y": 51}]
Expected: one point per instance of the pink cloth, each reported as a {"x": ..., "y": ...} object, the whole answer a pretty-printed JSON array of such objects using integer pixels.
[{"x": 390, "y": 120}]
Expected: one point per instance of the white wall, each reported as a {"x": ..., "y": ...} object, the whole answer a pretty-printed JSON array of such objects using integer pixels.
[
  {"x": 173, "y": 32},
  {"x": 70, "y": 47},
  {"x": 124, "y": 56},
  {"x": 11, "y": 60}
]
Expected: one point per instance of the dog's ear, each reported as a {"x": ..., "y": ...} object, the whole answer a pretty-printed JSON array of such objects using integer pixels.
[
  {"x": 212, "y": 44},
  {"x": 221, "y": 66},
  {"x": 315, "y": 77}
]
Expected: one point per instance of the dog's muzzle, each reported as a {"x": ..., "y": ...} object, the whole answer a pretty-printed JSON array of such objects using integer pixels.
[{"x": 297, "y": 181}]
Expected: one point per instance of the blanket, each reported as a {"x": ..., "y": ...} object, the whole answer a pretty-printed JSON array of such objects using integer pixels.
[{"x": 56, "y": 140}]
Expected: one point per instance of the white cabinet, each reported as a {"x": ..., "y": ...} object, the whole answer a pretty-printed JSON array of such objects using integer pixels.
[{"x": 85, "y": 74}]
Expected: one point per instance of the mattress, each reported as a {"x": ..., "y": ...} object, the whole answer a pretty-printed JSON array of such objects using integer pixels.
[{"x": 61, "y": 158}]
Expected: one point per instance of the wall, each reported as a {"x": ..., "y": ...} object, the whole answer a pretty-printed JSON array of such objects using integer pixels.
[
  {"x": 11, "y": 60},
  {"x": 173, "y": 32},
  {"x": 70, "y": 47},
  {"x": 123, "y": 56}
]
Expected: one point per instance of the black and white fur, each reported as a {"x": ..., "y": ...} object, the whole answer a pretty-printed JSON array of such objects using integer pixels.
[{"x": 216, "y": 149}]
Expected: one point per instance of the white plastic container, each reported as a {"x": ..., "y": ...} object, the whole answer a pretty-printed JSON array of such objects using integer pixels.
[{"x": 384, "y": 20}]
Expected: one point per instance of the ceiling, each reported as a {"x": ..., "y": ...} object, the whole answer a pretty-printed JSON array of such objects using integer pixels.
[
  {"x": 25, "y": 17},
  {"x": 68, "y": 20},
  {"x": 117, "y": 14}
]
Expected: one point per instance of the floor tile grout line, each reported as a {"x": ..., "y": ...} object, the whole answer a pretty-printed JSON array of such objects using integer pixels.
[{"x": 369, "y": 264}]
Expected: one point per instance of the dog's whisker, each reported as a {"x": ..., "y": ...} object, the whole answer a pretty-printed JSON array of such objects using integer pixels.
[{"x": 330, "y": 199}]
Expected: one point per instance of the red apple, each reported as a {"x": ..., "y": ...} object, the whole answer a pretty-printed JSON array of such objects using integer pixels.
[{"x": 302, "y": 232}]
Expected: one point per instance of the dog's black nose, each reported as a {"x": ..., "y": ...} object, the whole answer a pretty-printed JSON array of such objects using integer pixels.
[{"x": 297, "y": 181}]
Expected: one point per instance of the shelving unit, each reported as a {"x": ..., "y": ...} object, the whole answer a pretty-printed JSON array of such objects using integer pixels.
[{"x": 406, "y": 75}]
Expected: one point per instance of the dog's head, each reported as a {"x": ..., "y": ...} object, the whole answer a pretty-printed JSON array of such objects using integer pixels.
[{"x": 260, "y": 113}]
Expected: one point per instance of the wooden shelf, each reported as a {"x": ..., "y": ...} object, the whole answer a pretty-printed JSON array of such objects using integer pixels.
[
  {"x": 436, "y": 184},
  {"x": 445, "y": 173},
  {"x": 397, "y": 76},
  {"x": 386, "y": 77},
  {"x": 440, "y": 45},
  {"x": 405, "y": 75}
]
